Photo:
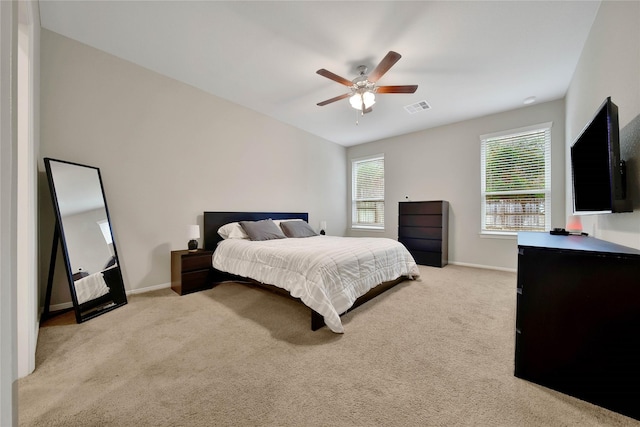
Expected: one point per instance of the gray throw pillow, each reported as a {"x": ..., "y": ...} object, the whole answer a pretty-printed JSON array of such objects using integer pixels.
[
  {"x": 265, "y": 229},
  {"x": 297, "y": 229}
]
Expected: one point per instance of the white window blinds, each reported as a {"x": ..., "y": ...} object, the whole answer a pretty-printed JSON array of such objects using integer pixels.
[
  {"x": 368, "y": 192},
  {"x": 516, "y": 180}
]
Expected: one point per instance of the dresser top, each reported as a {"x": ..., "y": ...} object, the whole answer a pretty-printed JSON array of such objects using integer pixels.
[{"x": 573, "y": 243}]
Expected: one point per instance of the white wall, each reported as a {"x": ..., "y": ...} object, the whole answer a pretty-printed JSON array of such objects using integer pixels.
[
  {"x": 444, "y": 164},
  {"x": 19, "y": 90},
  {"x": 610, "y": 66},
  {"x": 8, "y": 208},
  {"x": 167, "y": 152},
  {"x": 27, "y": 200}
]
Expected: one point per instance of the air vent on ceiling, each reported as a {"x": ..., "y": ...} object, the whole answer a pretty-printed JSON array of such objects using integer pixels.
[{"x": 417, "y": 107}]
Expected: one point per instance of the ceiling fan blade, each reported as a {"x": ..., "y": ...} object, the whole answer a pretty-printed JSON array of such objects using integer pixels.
[
  {"x": 384, "y": 65},
  {"x": 336, "y": 78},
  {"x": 397, "y": 89},
  {"x": 337, "y": 98},
  {"x": 367, "y": 110}
]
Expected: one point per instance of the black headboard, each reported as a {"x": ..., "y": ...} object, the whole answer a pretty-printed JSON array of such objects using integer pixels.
[{"x": 215, "y": 220}]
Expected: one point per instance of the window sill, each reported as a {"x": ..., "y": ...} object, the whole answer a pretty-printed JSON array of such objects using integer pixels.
[
  {"x": 363, "y": 228},
  {"x": 507, "y": 235}
]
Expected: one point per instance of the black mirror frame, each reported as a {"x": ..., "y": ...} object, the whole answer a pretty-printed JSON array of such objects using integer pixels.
[{"x": 100, "y": 305}]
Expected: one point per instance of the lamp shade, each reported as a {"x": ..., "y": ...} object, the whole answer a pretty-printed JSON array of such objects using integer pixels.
[
  {"x": 362, "y": 97},
  {"x": 574, "y": 223},
  {"x": 194, "y": 232},
  {"x": 323, "y": 227}
]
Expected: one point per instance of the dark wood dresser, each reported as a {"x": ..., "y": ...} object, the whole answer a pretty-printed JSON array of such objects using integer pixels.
[
  {"x": 191, "y": 271},
  {"x": 423, "y": 227},
  {"x": 578, "y": 317}
]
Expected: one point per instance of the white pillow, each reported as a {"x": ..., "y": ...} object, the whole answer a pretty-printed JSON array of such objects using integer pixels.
[{"x": 233, "y": 230}]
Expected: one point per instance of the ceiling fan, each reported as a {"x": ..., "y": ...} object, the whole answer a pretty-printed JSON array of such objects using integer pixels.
[{"x": 363, "y": 88}]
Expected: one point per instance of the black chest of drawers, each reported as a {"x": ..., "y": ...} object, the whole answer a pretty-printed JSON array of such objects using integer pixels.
[
  {"x": 423, "y": 227},
  {"x": 578, "y": 317}
]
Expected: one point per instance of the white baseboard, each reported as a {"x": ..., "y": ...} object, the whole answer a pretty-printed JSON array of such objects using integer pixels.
[
  {"x": 486, "y": 267},
  {"x": 58, "y": 307},
  {"x": 66, "y": 305},
  {"x": 149, "y": 289}
]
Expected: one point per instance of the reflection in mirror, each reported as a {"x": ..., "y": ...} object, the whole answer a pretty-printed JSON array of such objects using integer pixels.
[{"x": 84, "y": 230}]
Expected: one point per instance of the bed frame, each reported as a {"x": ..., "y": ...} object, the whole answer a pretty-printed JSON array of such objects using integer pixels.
[{"x": 214, "y": 220}]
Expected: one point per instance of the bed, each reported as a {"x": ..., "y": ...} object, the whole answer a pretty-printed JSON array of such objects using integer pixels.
[
  {"x": 329, "y": 274},
  {"x": 96, "y": 291},
  {"x": 90, "y": 287}
]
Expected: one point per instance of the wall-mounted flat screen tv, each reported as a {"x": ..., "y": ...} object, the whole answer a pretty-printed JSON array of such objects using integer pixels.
[{"x": 598, "y": 172}]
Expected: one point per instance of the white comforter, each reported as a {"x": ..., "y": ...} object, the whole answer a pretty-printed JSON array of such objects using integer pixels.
[
  {"x": 90, "y": 287},
  {"x": 327, "y": 273}
]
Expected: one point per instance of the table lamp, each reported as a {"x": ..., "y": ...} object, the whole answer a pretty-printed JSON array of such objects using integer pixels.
[{"x": 194, "y": 234}]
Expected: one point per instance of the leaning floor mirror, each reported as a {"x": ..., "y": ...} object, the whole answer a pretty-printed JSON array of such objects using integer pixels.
[{"x": 83, "y": 230}]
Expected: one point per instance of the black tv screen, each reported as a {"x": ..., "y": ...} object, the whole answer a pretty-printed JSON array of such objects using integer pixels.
[{"x": 599, "y": 181}]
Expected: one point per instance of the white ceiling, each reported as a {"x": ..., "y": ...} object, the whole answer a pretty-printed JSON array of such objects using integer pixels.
[{"x": 469, "y": 59}]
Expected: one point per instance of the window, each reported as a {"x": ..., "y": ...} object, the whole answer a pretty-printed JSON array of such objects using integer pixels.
[
  {"x": 367, "y": 192},
  {"x": 516, "y": 180}
]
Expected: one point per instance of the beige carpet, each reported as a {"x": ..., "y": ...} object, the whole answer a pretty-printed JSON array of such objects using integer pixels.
[{"x": 434, "y": 352}]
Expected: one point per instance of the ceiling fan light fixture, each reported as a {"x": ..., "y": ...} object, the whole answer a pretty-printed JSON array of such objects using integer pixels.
[
  {"x": 363, "y": 88},
  {"x": 360, "y": 98}
]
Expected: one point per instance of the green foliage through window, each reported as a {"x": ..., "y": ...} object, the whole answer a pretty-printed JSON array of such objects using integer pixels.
[
  {"x": 516, "y": 181},
  {"x": 368, "y": 192}
]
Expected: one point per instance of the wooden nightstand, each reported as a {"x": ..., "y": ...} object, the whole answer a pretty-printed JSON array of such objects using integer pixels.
[{"x": 191, "y": 271}]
